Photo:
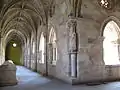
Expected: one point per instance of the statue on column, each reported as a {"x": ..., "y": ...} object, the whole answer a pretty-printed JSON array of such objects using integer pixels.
[
  {"x": 72, "y": 41},
  {"x": 72, "y": 34}
]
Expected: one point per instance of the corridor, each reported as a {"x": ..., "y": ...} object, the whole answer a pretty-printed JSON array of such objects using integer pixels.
[{"x": 28, "y": 80}]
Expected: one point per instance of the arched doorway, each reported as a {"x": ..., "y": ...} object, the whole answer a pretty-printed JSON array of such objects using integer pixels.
[
  {"x": 111, "y": 43},
  {"x": 13, "y": 52}
]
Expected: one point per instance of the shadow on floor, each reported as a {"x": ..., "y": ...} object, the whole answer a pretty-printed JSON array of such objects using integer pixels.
[{"x": 28, "y": 80}]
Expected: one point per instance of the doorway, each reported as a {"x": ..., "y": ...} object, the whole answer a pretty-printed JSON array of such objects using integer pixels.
[{"x": 13, "y": 52}]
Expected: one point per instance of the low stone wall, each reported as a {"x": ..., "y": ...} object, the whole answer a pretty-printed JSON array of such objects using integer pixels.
[{"x": 8, "y": 74}]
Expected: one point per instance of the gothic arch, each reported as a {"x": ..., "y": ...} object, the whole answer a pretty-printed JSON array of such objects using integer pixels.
[
  {"x": 111, "y": 35},
  {"x": 23, "y": 16},
  {"x": 52, "y": 35},
  {"x": 42, "y": 48},
  {"x": 33, "y": 52},
  {"x": 110, "y": 18},
  {"x": 19, "y": 34},
  {"x": 16, "y": 36},
  {"x": 53, "y": 46}
]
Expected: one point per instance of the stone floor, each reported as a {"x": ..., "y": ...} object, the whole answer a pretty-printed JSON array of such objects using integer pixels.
[{"x": 29, "y": 80}]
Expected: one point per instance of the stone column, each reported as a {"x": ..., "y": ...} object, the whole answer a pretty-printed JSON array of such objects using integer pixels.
[
  {"x": 118, "y": 42},
  {"x": 2, "y": 51},
  {"x": 100, "y": 42},
  {"x": 50, "y": 53},
  {"x": 29, "y": 56},
  {"x": 119, "y": 50},
  {"x": 75, "y": 6},
  {"x": 25, "y": 56},
  {"x": 72, "y": 41}
]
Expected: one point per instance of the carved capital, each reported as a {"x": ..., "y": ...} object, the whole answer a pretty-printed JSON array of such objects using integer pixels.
[{"x": 72, "y": 22}]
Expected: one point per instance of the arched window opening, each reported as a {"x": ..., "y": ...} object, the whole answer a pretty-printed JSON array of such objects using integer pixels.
[
  {"x": 53, "y": 46},
  {"x": 42, "y": 49},
  {"x": 33, "y": 50},
  {"x": 110, "y": 44}
]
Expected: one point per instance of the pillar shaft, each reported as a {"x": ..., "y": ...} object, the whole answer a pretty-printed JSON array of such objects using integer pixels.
[{"x": 72, "y": 41}]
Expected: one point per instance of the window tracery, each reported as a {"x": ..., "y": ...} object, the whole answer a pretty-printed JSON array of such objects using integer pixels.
[
  {"x": 107, "y": 4},
  {"x": 53, "y": 46},
  {"x": 110, "y": 44}
]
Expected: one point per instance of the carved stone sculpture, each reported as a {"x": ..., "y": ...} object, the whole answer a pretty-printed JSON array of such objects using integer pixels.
[
  {"x": 72, "y": 39},
  {"x": 8, "y": 74}
]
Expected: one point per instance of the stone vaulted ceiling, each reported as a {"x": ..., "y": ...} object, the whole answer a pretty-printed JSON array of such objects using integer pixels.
[{"x": 23, "y": 15}]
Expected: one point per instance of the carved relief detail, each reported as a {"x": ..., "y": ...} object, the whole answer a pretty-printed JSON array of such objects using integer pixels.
[
  {"x": 72, "y": 42},
  {"x": 72, "y": 23}
]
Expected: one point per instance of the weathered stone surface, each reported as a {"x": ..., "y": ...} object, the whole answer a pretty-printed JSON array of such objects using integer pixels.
[
  {"x": 90, "y": 18},
  {"x": 8, "y": 74}
]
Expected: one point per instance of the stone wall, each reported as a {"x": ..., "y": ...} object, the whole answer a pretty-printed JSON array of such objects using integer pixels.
[
  {"x": 90, "y": 64},
  {"x": 58, "y": 22}
]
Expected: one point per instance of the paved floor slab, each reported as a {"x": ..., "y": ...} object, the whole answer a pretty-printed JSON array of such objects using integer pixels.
[{"x": 28, "y": 80}]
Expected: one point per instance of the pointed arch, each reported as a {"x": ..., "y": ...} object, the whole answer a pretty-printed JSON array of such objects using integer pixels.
[
  {"x": 53, "y": 46},
  {"x": 111, "y": 43},
  {"x": 42, "y": 48}
]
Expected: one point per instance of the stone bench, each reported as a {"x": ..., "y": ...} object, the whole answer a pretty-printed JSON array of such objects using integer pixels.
[{"x": 8, "y": 74}]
